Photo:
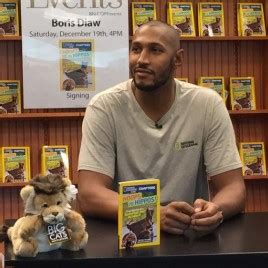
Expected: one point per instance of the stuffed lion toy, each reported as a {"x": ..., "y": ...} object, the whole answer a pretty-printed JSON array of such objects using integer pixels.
[{"x": 49, "y": 222}]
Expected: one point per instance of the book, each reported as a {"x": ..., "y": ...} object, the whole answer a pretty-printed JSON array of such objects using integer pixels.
[
  {"x": 180, "y": 15},
  {"x": 183, "y": 79},
  {"x": 251, "y": 20},
  {"x": 10, "y": 97},
  {"x": 253, "y": 158},
  {"x": 9, "y": 18},
  {"x": 139, "y": 213},
  {"x": 216, "y": 83},
  {"x": 55, "y": 160},
  {"x": 76, "y": 65},
  {"x": 211, "y": 19},
  {"x": 142, "y": 12},
  {"x": 242, "y": 92},
  {"x": 15, "y": 164}
]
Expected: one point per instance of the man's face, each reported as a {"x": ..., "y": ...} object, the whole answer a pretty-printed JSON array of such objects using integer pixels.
[{"x": 152, "y": 58}]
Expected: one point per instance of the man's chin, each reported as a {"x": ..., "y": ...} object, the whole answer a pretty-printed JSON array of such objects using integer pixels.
[{"x": 145, "y": 87}]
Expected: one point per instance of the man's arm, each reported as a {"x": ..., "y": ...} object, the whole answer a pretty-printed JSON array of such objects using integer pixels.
[{"x": 95, "y": 195}]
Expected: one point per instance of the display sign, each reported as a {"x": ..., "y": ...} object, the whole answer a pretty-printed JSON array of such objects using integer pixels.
[{"x": 72, "y": 49}]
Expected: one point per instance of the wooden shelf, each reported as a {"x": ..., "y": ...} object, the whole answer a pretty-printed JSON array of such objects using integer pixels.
[
  {"x": 256, "y": 177},
  {"x": 261, "y": 112},
  {"x": 12, "y": 185},
  {"x": 10, "y": 38}
]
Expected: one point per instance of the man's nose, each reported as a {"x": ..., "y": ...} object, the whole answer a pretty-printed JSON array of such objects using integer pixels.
[{"x": 143, "y": 57}]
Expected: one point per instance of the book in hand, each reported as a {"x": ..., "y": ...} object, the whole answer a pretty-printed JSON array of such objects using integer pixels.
[
  {"x": 242, "y": 91},
  {"x": 250, "y": 19},
  {"x": 253, "y": 158},
  {"x": 142, "y": 12},
  {"x": 9, "y": 18},
  {"x": 211, "y": 19},
  {"x": 139, "y": 213},
  {"x": 180, "y": 16}
]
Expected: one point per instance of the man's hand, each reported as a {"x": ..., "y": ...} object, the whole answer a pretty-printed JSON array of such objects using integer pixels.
[
  {"x": 175, "y": 217},
  {"x": 207, "y": 216}
]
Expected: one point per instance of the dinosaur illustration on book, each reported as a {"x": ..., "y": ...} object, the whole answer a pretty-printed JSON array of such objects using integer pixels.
[
  {"x": 243, "y": 103},
  {"x": 255, "y": 168},
  {"x": 185, "y": 27},
  {"x": 79, "y": 76},
  {"x": 8, "y": 27},
  {"x": 214, "y": 27},
  {"x": 16, "y": 174},
  {"x": 9, "y": 107},
  {"x": 254, "y": 27}
]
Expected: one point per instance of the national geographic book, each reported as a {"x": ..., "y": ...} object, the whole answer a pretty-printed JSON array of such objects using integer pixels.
[
  {"x": 180, "y": 15},
  {"x": 10, "y": 97},
  {"x": 76, "y": 65},
  {"x": 55, "y": 160},
  {"x": 9, "y": 18},
  {"x": 242, "y": 92},
  {"x": 15, "y": 164},
  {"x": 216, "y": 83},
  {"x": 250, "y": 18},
  {"x": 142, "y": 12},
  {"x": 183, "y": 79},
  {"x": 253, "y": 158},
  {"x": 211, "y": 19},
  {"x": 139, "y": 213}
]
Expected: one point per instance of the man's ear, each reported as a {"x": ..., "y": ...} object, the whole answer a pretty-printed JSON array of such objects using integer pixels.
[{"x": 179, "y": 57}]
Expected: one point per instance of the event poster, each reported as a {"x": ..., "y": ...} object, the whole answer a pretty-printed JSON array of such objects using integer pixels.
[{"x": 76, "y": 49}]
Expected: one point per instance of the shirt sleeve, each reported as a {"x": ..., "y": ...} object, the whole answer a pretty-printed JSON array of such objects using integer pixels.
[
  {"x": 220, "y": 150},
  {"x": 97, "y": 151}
]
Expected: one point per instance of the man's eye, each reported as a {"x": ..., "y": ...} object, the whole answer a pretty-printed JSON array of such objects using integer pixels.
[
  {"x": 135, "y": 49},
  {"x": 156, "y": 50}
]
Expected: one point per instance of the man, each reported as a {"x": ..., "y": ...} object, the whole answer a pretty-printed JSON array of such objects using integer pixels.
[{"x": 155, "y": 126}]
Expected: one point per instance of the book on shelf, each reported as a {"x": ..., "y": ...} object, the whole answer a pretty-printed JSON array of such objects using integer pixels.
[
  {"x": 253, "y": 158},
  {"x": 9, "y": 18},
  {"x": 211, "y": 19},
  {"x": 55, "y": 160},
  {"x": 142, "y": 12},
  {"x": 250, "y": 19},
  {"x": 15, "y": 164},
  {"x": 242, "y": 92},
  {"x": 216, "y": 83},
  {"x": 139, "y": 213},
  {"x": 10, "y": 97},
  {"x": 183, "y": 79},
  {"x": 180, "y": 15}
]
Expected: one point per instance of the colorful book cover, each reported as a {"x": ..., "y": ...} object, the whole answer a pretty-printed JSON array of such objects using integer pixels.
[
  {"x": 15, "y": 164},
  {"x": 251, "y": 19},
  {"x": 253, "y": 158},
  {"x": 76, "y": 62},
  {"x": 216, "y": 83},
  {"x": 180, "y": 16},
  {"x": 9, "y": 18},
  {"x": 55, "y": 160},
  {"x": 10, "y": 97},
  {"x": 142, "y": 12},
  {"x": 139, "y": 213},
  {"x": 183, "y": 79},
  {"x": 242, "y": 91},
  {"x": 211, "y": 19}
]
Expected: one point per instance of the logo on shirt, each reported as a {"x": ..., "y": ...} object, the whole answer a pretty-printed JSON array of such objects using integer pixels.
[{"x": 182, "y": 145}]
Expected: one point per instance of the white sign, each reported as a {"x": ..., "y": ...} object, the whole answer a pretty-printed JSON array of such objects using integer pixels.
[{"x": 72, "y": 49}]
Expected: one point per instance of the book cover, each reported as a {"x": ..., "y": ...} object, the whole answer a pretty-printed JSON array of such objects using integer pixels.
[
  {"x": 15, "y": 164},
  {"x": 211, "y": 19},
  {"x": 142, "y": 12},
  {"x": 251, "y": 19},
  {"x": 183, "y": 79},
  {"x": 139, "y": 213},
  {"x": 55, "y": 160},
  {"x": 253, "y": 158},
  {"x": 76, "y": 65},
  {"x": 180, "y": 16},
  {"x": 242, "y": 92},
  {"x": 10, "y": 97},
  {"x": 9, "y": 18}
]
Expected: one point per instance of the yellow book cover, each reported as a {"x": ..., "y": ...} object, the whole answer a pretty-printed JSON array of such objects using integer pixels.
[
  {"x": 9, "y": 18},
  {"x": 142, "y": 12},
  {"x": 76, "y": 65},
  {"x": 238, "y": 16},
  {"x": 181, "y": 17},
  {"x": 139, "y": 213},
  {"x": 10, "y": 97},
  {"x": 242, "y": 92},
  {"x": 183, "y": 79},
  {"x": 15, "y": 164},
  {"x": 252, "y": 21},
  {"x": 216, "y": 83},
  {"x": 211, "y": 19},
  {"x": 55, "y": 160},
  {"x": 253, "y": 158}
]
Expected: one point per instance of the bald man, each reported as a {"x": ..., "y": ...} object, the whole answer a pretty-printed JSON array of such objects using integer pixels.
[{"x": 156, "y": 126}]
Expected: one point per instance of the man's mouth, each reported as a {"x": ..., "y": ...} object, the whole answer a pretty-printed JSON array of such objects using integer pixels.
[{"x": 142, "y": 71}]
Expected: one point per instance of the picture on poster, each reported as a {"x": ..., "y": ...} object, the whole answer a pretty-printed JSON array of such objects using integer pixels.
[{"x": 76, "y": 63}]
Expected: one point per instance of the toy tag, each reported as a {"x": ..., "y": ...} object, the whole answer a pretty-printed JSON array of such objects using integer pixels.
[{"x": 57, "y": 233}]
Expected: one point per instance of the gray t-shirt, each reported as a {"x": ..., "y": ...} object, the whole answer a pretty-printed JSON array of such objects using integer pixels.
[{"x": 196, "y": 140}]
